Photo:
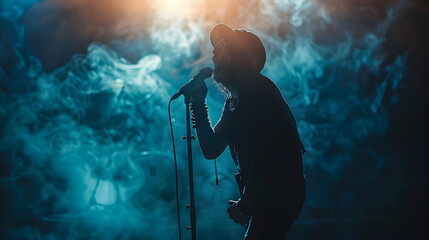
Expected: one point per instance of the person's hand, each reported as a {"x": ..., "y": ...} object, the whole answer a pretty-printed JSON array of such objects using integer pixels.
[
  {"x": 236, "y": 215},
  {"x": 198, "y": 92}
]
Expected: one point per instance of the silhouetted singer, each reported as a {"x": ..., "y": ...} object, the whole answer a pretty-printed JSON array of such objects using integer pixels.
[{"x": 259, "y": 127}]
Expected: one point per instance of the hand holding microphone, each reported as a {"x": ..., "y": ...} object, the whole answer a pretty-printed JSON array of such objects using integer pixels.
[
  {"x": 236, "y": 215},
  {"x": 199, "y": 92},
  {"x": 196, "y": 88}
]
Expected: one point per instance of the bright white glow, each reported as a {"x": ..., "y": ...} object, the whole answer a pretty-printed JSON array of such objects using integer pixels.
[
  {"x": 106, "y": 193},
  {"x": 118, "y": 83},
  {"x": 174, "y": 8}
]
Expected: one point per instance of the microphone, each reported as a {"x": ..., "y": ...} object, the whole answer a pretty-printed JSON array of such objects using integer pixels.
[{"x": 202, "y": 74}]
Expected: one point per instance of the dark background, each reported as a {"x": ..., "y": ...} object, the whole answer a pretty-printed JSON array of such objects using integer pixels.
[{"x": 356, "y": 80}]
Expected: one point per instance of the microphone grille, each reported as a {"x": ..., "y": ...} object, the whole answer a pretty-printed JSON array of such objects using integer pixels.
[{"x": 206, "y": 72}]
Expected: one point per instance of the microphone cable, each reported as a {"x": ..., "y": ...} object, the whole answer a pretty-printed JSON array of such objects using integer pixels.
[{"x": 175, "y": 168}]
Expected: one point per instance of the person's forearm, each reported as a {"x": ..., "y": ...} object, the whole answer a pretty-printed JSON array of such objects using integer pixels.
[{"x": 212, "y": 143}]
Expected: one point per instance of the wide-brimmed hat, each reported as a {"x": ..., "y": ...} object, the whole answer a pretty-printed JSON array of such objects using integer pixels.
[{"x": 242, "y": 42}]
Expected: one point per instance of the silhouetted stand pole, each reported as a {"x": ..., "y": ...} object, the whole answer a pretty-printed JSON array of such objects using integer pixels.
[{"x": 189, "y": 139}]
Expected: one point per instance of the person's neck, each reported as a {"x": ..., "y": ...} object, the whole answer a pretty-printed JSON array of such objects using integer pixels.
[
  {"x": 234, "y": 91},
  {"x": 239, "y": 79}
]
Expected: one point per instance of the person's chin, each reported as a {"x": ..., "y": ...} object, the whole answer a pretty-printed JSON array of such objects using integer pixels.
[
  {"x": 220, "y": 75},
  {"x": 217, "y": 76}
]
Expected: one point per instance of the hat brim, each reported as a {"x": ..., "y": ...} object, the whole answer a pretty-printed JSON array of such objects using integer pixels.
[{"x": 221, "y": 31}]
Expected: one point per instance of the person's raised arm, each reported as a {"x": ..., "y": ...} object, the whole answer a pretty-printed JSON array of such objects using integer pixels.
[{"x": 213, "y": 141}]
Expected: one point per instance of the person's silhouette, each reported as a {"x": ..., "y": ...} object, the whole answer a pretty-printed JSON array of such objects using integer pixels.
[{"x": 259, "y": 127}]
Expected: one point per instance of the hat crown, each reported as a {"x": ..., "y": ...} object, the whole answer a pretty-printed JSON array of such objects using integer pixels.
[{"x": 243, "y": 41}]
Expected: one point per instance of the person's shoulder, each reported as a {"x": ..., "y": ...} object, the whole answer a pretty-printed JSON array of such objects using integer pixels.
[
  {"x": 255, "y": 83},
  {"x": 263, "y": 86},
  {"x": 258, "y": 92}
]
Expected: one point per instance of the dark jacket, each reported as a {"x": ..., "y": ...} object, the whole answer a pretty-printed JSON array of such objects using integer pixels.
[{"x": 260, "y": 130}]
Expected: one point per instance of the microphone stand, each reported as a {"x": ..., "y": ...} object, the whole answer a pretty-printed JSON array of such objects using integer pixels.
[
  {"x": 189, "y": 139},
  {"x": 185, "y": 90}
]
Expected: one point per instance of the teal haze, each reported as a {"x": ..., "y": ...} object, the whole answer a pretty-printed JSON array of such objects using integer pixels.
[{"x": 85, "y": 146}]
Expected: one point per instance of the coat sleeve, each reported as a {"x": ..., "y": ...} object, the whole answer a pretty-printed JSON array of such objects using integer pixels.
[
  {"x": 268, "y": 123},
  {"x": 258, "y": 174}
]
